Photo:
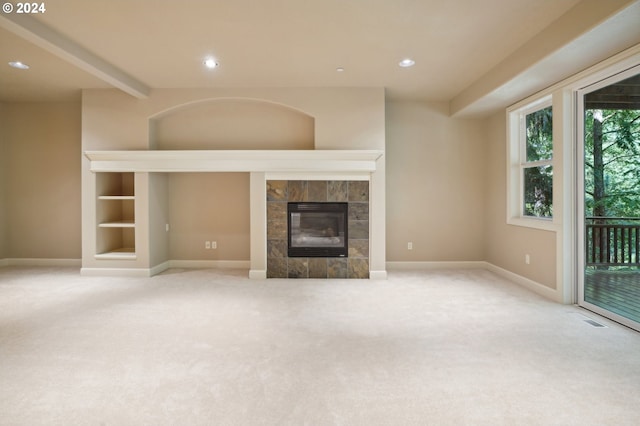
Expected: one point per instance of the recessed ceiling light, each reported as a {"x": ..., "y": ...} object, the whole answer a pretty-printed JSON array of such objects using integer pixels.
[
  {"x": 340, "y": 69},
  {"x": 405, "y": 63},
  {"x": 210, "y": 63},
  {"x": 19, "y": 65}
]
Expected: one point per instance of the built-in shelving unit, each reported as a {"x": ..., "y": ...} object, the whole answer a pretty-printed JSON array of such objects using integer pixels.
[
  {"x": 115, "y": 216},
  {"x": 128, "y": 209}
]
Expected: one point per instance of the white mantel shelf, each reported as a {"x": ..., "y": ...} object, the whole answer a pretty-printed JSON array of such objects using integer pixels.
[{"x": 234, "y": 161}]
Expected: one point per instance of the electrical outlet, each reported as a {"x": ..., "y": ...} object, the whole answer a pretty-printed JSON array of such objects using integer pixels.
[
  {"x": 214, "y": 245},
  {"x": 527, "y": 259},
  {"x": 166, "y": 227},
  {"x": 409, "y": 245},
  {"x": 207, "y": 245}
]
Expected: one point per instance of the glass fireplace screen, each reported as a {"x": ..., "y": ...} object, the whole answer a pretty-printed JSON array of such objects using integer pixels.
[{"x": 318, "y": 229}]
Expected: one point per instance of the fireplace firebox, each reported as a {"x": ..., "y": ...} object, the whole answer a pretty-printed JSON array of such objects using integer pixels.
[{"x": 317, "y": 229}]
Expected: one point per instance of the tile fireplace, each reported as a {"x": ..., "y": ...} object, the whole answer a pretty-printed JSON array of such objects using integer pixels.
[{"x": 317, "y": 229}]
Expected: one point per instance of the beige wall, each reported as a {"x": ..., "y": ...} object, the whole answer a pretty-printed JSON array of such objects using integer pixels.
[
  {"x": 42, "y": 172},
  {"x": 3, "y": 183},
  {"x": 435, "y": 184},
  {"x": 209, "y": 207},
  {"x": 233, "y": 124},
  {"x": 506, "y": 245},
  {"x": 345, "y": 118},
  {"x": 215, "y": 206},
  {"x": 452, "y": 169}
]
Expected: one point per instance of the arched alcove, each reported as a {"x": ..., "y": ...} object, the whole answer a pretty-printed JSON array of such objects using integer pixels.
[
  {"x": 232, "y": 123},
  {"x": 216, "y": 206}
]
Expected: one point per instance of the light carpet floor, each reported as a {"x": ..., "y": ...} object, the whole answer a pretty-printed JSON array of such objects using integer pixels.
[{"x": 211, "y": 347}]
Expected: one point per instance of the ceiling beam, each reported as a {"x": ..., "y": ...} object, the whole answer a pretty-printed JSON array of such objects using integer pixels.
[
  {"x": 52, "y": 41},
  {"x": 590, "y": 32}
]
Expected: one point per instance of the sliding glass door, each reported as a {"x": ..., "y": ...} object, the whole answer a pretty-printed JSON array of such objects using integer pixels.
[{"x": 609, "y": 197}]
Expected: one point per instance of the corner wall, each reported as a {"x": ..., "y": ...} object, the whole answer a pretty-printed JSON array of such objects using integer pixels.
[
  {"x": 506, "y": 245},
  {"x": 436, "y": 180}
]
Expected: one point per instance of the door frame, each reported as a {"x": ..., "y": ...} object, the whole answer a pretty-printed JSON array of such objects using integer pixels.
[{"x": 615, "y": 73}]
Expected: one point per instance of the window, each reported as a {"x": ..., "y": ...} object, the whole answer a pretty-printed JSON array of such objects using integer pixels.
[
  {"x": 537, "y": 170},
  {"x": 530, "y": 183}
]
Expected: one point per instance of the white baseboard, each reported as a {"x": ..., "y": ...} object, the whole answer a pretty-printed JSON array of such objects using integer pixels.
[
  {"x": 115, "y": 272},
  {"x": 149, "y": 272},
  {"x": 536, "y": 287},
  {"x": 417, "y": 266},
  {"x": 41, "y": 262},
  {"x": 155, "y": 270},
  {"x": 205, "y": 264},
  {"x": 257, "y": 274},
  {"x": 377, "y": 275}
]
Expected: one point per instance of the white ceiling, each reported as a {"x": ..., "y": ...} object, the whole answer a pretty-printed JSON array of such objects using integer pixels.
[{"x": 150, "y": 44}]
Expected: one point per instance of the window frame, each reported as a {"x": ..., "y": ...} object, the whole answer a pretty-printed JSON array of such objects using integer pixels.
[
  {"x": 524, "y": 163},
  {"x": 517, "y": 163}
]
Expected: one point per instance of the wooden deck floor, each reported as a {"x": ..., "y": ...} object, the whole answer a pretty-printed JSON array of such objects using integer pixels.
[{"x": 615, "y": 291}]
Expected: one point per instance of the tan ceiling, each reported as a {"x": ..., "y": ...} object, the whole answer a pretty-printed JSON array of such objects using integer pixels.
[
  {"x": 276, "y": 43},
  {"x": 49, "y": 78}
]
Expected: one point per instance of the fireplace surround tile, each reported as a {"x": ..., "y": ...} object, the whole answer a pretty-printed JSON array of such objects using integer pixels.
[
  {"x": 297, "y": 190},
  {"x": 277, "y": 190},
  {"x": 317, "y": 267},
  {"x": 358, "y": 268},
  {"x": 337, "y": 190},
  {"x": 358, "y": 249},
  {"x": 276, "y": 220},
  {"x": 317, "y": 190},
  {"x": 337, "y": 268},
  {"x": 358, "y": 211},
  {"x": 280, "y": 192},
  {"x": 277, "y": 248},
  {"x": 298, "y": 267},
  {"x": 358, "y": 191},
  {"x": 359, "y": 229},
  {"x": 277, "y": 267}
]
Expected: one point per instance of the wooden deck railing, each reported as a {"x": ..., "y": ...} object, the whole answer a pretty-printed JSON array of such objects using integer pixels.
[{"x": 612, "y": 241}]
